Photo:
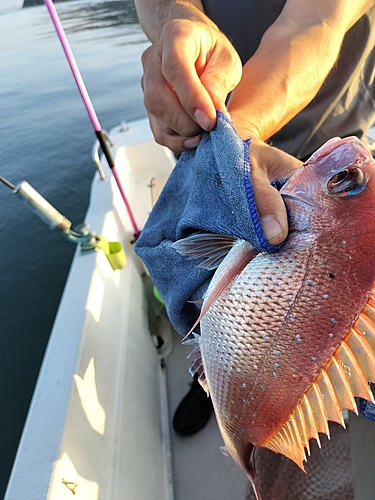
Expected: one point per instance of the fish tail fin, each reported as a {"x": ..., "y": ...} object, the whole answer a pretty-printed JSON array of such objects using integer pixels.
[{"x": 248, "y": 460}]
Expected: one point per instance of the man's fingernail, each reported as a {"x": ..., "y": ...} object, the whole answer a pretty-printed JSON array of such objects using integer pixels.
[
  {"x": 192, "y": 142},
  {"x": 202, "y": 119},
  {"x": 271, "y": 227}
]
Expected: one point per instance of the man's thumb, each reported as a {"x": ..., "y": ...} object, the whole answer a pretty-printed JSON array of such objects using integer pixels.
[{"x": 271, "y": 208}]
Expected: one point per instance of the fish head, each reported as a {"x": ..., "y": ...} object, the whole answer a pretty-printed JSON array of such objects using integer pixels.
[{"x": 336, "y": 185}]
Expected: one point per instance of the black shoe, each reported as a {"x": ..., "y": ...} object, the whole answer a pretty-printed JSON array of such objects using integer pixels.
[{"x": 193, "y": 412}]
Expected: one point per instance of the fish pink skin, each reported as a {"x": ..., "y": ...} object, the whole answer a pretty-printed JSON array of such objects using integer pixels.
[{"x": 266, "y": 338}]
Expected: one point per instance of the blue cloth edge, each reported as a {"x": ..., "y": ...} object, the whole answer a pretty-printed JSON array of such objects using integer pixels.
[{"x": 249, "y": 190}]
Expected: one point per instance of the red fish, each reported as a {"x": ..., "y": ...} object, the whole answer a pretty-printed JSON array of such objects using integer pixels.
[{"x": 288, "y": 338}]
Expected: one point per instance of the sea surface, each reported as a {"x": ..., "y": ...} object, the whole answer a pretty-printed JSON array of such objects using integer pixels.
[{"x": 46, "y": 138}]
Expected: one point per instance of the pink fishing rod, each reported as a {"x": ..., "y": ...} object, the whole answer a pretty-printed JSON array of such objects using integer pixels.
[{"x": 90, "y": 108}]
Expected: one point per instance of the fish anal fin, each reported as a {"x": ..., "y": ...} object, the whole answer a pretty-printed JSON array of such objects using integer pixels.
[{"x": 345, "y": 376}]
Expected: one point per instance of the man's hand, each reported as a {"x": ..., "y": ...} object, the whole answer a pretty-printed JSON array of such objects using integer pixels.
[
  {"x": 188, "y": 74},
  {"x": 267, "y": 164}
]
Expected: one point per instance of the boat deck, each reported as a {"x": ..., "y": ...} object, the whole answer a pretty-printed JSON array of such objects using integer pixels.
[{"x": 200, "y": 470}]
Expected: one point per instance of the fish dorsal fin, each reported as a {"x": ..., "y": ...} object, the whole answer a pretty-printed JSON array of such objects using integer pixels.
[
  {"x": 346, "y": 375},
  {"x": 240, "y": 255},
  {"x": 213, "y": 247}
]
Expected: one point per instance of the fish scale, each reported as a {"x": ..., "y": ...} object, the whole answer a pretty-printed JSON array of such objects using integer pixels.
[{"x": 288, "y": 338}]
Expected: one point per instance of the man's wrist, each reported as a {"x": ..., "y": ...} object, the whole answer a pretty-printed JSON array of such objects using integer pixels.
[
  {"x": 244, "y": 128},
  {"x": 153, "y": 18}
]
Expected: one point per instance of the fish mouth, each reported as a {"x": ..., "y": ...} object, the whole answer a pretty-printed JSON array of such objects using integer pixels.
[
  {"x": 301, "y": 200},
  {"x": 291, "y": 192},
  {"x": 299, "y": 210}
]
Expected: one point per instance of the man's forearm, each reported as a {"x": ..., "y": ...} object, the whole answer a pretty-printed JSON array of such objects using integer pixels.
[
  {"x": 155, "y": 14},
  {"x": 281, "y": 79},
  {"x": 291, "y": 64}
]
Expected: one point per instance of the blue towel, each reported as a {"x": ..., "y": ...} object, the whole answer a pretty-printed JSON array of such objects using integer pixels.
[{"x": 209, "y": 190}]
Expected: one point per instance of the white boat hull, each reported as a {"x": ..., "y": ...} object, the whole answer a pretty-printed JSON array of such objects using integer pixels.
[{"x": 89, "y": 430}]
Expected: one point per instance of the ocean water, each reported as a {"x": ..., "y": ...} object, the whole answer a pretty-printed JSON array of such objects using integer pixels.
[{"x": 46, "y": 138}]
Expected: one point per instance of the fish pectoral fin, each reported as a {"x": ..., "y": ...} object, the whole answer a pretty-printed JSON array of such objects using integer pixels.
[
  {"x": 241, "y": 254},
  {"x": 213, "y": 247},
  {"x": 196, "y": 365},
  {"x": 344, "y": 377}
]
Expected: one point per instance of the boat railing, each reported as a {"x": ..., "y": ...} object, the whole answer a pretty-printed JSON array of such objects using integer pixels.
[{"x": 95, "y": 155}]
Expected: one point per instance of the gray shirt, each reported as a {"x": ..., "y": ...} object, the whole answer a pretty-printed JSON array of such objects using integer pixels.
[{"x": 345, "y": 104}]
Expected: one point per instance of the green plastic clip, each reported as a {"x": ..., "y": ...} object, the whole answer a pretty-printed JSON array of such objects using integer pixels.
[
  {"x": 113, "y": 251},
  {"x": 158, "y": 296}
]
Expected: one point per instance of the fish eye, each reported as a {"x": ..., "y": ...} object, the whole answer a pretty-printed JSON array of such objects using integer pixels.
[
  {"x": 348, "y": 181},
  {"x": 336, "y": 179}
]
